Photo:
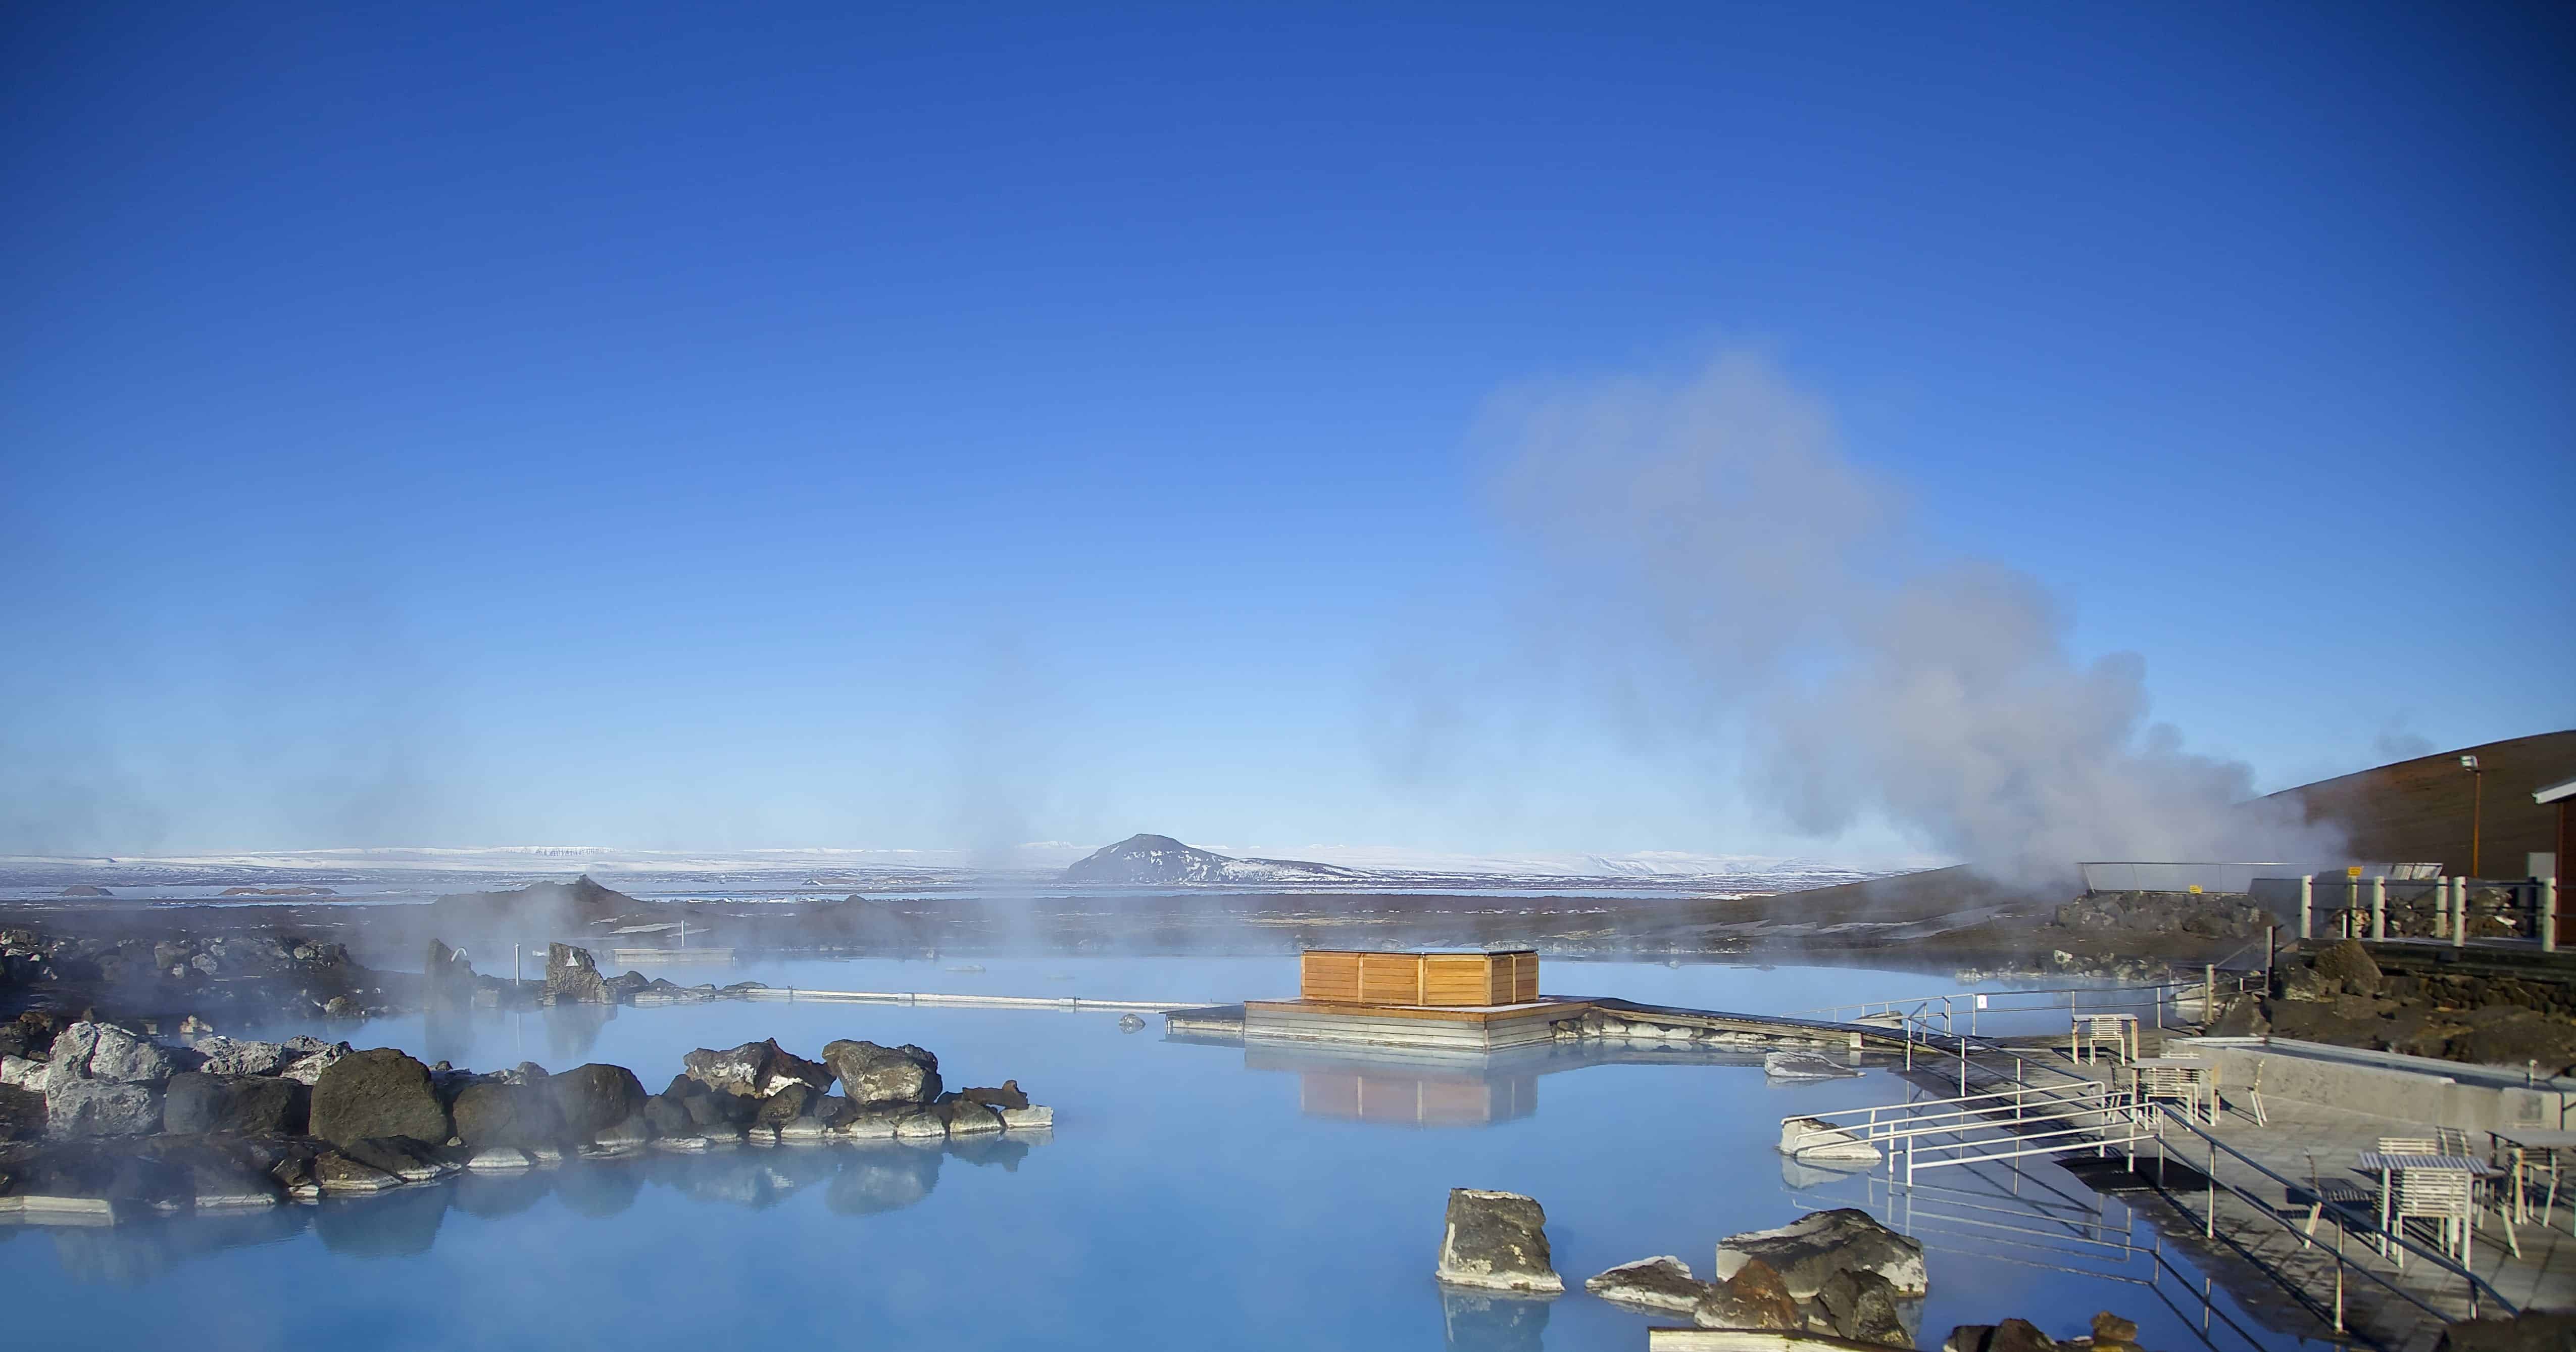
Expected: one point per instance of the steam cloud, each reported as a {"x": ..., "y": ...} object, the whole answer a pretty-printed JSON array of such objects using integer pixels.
[{"x": 1774, "y": 578}]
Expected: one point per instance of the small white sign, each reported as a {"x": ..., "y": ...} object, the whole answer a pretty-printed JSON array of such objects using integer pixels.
[{"x": 1981, "y": 1002}]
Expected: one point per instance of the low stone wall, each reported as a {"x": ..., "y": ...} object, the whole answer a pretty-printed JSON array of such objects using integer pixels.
[{"x": 2415, "y": 1089}]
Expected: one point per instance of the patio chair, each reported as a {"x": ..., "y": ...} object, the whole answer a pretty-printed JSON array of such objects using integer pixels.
[{"x": 2252, "y": 1105}]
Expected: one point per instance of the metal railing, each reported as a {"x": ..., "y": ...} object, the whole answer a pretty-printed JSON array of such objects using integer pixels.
[
  {"x": 1942, "y": 1012},
  {"x": 2028, "y": 1220},
  {"x": 2000, "y": 1124},
  {"x": 2446, "y": 909},
  {"x": 2478, "y": 1289}
]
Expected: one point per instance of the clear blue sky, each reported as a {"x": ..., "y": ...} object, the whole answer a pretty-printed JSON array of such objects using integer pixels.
[{"x": 759, "y": 426}]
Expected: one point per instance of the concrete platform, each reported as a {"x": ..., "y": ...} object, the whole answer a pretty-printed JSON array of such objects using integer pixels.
[{"x": 1462, "y": 1027}]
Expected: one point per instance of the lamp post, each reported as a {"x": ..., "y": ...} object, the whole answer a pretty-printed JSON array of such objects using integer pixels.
[{"x": 2477, "y": 806}]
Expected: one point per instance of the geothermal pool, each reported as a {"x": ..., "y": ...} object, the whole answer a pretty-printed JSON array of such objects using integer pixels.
[{"x": 1191, "y": 1196}]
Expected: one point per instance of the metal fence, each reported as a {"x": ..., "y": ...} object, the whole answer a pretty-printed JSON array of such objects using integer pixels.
[{"x": 2458, "y": 911}]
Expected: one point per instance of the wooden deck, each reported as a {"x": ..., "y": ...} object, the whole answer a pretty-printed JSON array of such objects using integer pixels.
[{"x": 1465, "y": 1027}]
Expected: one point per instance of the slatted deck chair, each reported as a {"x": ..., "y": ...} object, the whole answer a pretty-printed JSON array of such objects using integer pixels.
[
  {"x": 2252, "y": 1104},
  {"x": 2439, "y": 1195},
  {"x": 2351, "y": 1194}
]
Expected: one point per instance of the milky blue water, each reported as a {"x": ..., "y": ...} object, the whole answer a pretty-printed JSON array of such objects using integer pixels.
[{"x": 1191, "y": 1196}]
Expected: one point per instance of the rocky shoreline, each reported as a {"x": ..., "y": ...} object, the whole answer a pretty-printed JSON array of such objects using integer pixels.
[{"x": 98, "y": 1120}]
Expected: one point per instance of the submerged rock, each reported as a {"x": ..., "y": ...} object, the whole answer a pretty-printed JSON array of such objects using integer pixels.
[
  {"x": 1811, "y": 1140},
  {"x": 1496, "y": 1241},
  {"x": 1805, "y": 1066},
  {"x": 2012, "y": 1335},
  {"x": 873, "y": 1075},
  {"x": 1663, "y": 1283},
  {"x": 1814, "y": 1247}
]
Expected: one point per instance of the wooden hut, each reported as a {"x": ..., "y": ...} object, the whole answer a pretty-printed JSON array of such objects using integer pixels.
[{"x": 1350, "y": 977}]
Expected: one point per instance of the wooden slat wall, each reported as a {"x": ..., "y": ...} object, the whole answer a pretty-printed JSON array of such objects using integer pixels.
[
  {"x": 1457, "y": 979},
  {"x": 1391, "y": 978},
  {"x": 1330, "y": 976},
  {"x": 1344, "y": 977}
]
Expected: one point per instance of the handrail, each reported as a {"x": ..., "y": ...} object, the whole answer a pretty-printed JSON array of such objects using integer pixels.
[
  {"x": 1925, "y": 1001},
  {"x": 2439, "y": 1260}
]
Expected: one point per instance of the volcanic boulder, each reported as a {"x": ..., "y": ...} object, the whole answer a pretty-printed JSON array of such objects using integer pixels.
[
  {"x": 102, "y": 1108},
  {"x": 1496, "y": 1241},
  {"x": 494, "y": 1113},
  {"x": 1862, "y": 1307},
  {"x": 231, "y": 1056},
  {"x": 1814, "y": 1247},
  {"x": 572, "y": 977},
  {"x": 594, "y": 1098},
  {"x": 754, "y": 1070},
  {"x": 1663, "y": 1283},
  {"x": 875, "y": 1076},
  {"x": 202, "y": 1104},
  {"x": 105, "y": 1052},
  {"x": 378, "y": 1092},
  {"x": 1752, "y": 1297}
]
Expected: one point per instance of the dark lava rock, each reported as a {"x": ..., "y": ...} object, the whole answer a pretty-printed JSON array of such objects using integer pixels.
[
  {"x": 595, "y": 1097},
  {"x": 1862, "y": 1307},
  {"x": 1814, "y": 1247},
  {"x": 2012, "y": 1335},
  {"x": 1498, "y": 1241},
  {"x": 623, "y": 988},
  {"x": 1008, "y": 1096},
  {"x": 521, "y": 1116},
  {"x": 1663, "y": 1283},
  {"x": 22, "y": 1114},
  {"x": 1754, "y": 1298},
  {"x": 2348, "y": 966},
  {"x": 785, "y": 1106},
  {"x": 968, "y": 1117},
  {"x": 873, "y": 1075},
  {"x": 102, "y": 1108},
  {"x": 669, "y": 1116},
  {"x": 199, "y": 1104},
  {"x": 572, "y": 977},
  {"x": 378, "y": 1092},
  {"x": 754, "y": 1070}
]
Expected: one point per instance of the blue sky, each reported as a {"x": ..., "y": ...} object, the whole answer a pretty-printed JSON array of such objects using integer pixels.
[{"x": 697, "y": 428}]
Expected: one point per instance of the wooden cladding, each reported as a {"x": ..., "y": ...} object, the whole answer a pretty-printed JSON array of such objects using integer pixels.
[{"x": 1345, "y": 977}]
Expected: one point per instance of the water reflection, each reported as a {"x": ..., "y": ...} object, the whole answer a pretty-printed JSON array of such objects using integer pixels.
[
  {"x": 856, "y": 1180},
  {"x": 1427, "y": 1087},
  {"x": 1492, "y": 1323}
]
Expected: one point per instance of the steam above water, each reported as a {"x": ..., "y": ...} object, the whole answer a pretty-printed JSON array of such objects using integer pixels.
[{"x": 1781, "y": 605}]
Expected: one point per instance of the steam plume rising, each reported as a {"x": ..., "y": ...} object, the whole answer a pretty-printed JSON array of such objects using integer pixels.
[{"x": 1718, "y": 517}]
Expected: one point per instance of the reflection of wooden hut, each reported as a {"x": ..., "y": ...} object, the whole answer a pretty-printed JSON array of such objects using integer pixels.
[
  {"x": 1340, "y": 976},
  {"x": 1416, "y": 1100}
]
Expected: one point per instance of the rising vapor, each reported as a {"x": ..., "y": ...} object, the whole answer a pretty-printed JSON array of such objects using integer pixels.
[{"x": 1775, "y": 580}]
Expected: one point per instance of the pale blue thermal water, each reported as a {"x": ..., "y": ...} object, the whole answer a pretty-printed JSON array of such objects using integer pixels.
[{"x": 1191, "y": 1196}]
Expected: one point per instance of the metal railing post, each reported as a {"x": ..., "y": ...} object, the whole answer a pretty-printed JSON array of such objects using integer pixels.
[
  {"x": 2442, "y": 912},
  {"x": 2379, "y": 906},
  {"x": 2549, "y": 915},
  {"x": 2459, "y": 912},
  {"x": 2209, "y": 1220},
  {"x": 2307, "y": 905}
]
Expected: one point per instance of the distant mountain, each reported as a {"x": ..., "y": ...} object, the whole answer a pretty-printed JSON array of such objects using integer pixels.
[{"x": 1161, "y": 859}]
